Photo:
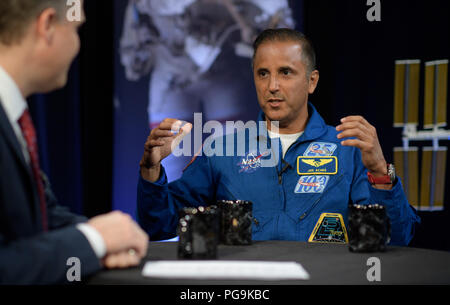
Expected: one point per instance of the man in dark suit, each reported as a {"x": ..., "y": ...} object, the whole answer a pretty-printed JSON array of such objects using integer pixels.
[{"x": 38, "y": 238}]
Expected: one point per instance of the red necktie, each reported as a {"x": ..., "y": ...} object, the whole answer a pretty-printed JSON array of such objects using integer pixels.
[{"x": 29, "y": 133}]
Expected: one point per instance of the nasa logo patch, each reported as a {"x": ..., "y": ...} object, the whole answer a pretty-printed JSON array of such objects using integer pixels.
[
  {"x": 251, "y": 162},
  {"x": 318, "y": 149},
  {"x": 311, "y": 184}
]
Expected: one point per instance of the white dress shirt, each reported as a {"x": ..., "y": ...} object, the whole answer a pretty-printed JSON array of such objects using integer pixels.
[{"x": 14, "y": 105}]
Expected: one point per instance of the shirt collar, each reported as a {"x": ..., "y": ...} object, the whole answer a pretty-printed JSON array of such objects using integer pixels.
[{"x": 10, "y": 97}]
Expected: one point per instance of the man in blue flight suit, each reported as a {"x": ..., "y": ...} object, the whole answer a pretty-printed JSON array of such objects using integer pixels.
[{"x": 321, "y": 168}]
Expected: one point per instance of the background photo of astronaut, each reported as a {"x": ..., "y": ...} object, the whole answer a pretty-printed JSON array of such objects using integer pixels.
[{"x": 196, "y": 55}]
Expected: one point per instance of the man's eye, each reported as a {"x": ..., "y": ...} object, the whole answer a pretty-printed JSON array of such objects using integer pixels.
[
  {"x": 286, "y": 71},
  {"x": 262, "y": 73}
]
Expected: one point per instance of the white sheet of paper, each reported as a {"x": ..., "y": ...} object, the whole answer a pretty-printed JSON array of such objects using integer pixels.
[{"x": 220, "y": 269}]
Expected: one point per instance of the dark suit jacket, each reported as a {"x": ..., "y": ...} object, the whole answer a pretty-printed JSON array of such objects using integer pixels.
[{"x": 27, "y": 254}]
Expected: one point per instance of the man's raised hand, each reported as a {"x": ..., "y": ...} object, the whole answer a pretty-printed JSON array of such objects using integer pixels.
[{"x": 160, "y": 143}]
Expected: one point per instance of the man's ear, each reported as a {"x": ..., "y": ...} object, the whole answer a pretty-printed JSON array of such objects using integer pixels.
[
  {"x": 45, "y": 24},
  {"x": 313, "y": 80}
]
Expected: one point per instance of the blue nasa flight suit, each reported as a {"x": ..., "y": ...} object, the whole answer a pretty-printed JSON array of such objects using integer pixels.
[{"x": 286, "y": 205}]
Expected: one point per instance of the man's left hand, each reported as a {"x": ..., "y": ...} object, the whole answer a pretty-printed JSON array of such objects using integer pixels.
[{"x": 366, "y": 139}]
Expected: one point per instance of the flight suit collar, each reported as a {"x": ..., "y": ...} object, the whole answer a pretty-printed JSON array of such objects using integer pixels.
[{"x": 315, "y": 128}]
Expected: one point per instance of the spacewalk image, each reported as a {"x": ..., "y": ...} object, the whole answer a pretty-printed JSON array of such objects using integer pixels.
[{"x": 198, "y": 55}]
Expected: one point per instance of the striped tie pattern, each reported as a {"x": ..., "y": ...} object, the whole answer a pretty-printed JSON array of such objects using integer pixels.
[{"x": 29, "y": 133}]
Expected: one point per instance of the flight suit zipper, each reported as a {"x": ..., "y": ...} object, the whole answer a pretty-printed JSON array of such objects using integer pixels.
[{"x": 318, "y": 199}]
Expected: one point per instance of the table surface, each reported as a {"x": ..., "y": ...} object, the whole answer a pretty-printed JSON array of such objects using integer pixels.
[{"x": 327, "y": 264}]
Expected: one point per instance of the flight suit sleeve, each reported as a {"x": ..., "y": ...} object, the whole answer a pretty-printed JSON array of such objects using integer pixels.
[
  {"x": 402, "y": 216},
  {"x": 158, "y": 203}
]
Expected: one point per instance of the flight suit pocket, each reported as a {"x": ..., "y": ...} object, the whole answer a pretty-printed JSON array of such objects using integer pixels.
[{"x": 262, "y": 227}]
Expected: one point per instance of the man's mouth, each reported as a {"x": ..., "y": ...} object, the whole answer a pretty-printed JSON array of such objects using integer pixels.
[{"x": 274, "y": 102}]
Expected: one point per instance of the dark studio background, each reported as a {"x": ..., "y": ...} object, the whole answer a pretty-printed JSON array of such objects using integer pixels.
[{"x": 355, "y": 58}]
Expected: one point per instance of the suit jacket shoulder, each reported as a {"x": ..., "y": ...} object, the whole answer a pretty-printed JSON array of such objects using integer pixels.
[{"x": 27, "y": 255}]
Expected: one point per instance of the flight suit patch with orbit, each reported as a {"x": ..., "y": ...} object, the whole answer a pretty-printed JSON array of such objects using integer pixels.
[{"x": 329, "y": 229}]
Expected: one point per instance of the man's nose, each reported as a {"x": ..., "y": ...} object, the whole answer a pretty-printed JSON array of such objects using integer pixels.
[{"x": 273, "y": 85}]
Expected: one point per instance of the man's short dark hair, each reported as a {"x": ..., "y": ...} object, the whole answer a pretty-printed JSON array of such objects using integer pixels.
[
  {"x": 285, "y": 34},
  {"x": 16, "y": 16}
]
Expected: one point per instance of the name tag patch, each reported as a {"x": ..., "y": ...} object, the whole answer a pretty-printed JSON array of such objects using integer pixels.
[
  {"x": 329, "y": 229},
  {"x": 311, "y": 184},
  {"x": 317, "y": 165}
]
